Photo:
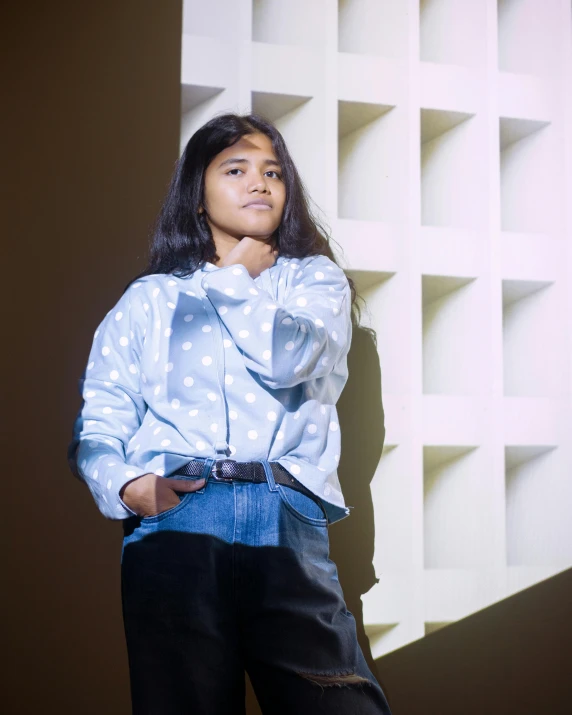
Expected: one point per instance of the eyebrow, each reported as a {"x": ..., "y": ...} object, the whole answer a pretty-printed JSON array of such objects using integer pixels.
[{"x": 237, "y": 160}]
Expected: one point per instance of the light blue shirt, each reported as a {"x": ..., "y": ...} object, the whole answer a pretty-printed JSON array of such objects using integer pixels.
[{"x": 221, "y": 365}]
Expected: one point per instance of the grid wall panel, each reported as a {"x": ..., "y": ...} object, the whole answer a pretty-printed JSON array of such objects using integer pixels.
[{"x": 435, "y": 136}]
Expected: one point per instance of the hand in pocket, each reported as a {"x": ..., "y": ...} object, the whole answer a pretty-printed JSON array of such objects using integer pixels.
[{"x": 150, "y": 494}]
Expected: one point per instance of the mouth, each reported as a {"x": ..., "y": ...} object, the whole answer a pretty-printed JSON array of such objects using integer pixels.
[{"x": 258, "y": 205}]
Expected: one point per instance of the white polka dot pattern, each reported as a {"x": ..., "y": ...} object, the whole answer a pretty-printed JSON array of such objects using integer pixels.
[
  {"x": 303, "y": 324},
  {"x": 181, "y": 365}
]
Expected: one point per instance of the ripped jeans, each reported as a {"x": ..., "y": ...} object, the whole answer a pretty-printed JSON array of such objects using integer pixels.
[{"x": 237, "y": 577}]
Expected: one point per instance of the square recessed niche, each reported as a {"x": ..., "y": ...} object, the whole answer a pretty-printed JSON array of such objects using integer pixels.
[
  {"x": 454, "y": 513},
  {"x": 198, "y": 104},
  {"x": 433, "y": 626},
  {"x": 384, "y": 293},
  {"x": 217, "y": 19},
  {"x": 535, "y": 349},
  {"x": 296, "y": 22},
  {"x": 380, "y": 638},
  {"x": 538, "y": 499},
  {"x": 531, "y": 177},
  {"x": 371, "y": 171},
  {"x": 390, "y": 487},
  {"x": 453, "y": 32},
  {"x": 454, "y": 336},
  {"x": 297, "y": 118},
  {"x": 373, "y": 27},
  {"x": 528, "y": 36},
  {"x": 454, "y": 178}
]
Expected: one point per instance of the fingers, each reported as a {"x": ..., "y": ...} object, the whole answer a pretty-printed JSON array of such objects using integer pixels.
[{"x": 185, "y": 485}]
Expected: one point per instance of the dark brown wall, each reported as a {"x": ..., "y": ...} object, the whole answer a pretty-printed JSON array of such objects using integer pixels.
[{"x": 89, "y": 127}]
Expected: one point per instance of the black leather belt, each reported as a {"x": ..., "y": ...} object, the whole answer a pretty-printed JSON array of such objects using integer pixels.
[{"x": 229, "y": 470}]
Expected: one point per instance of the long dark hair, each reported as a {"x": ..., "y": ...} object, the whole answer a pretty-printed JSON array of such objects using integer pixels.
[{"x": 182, "y": 239}]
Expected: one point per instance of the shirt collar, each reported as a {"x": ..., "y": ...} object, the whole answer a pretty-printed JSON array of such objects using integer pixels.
[{"x": 208, "y": 266}]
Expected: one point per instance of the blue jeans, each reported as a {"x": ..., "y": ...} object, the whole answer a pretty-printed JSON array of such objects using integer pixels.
[{"x": 236, "y": 577}]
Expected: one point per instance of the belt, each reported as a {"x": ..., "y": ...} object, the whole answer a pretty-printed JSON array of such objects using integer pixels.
[{"x": 229, "y": 470}]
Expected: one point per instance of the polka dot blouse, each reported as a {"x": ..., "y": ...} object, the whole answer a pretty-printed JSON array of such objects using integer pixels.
[{"x": 221, "y": 365}]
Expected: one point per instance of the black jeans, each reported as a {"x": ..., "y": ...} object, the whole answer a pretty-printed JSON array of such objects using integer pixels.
[{"x": 238, "y": 577}]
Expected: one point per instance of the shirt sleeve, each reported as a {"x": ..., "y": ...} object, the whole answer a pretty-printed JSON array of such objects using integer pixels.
[
  {"x": 112, "y": 406},
  {"x": 291, "y": 342}
]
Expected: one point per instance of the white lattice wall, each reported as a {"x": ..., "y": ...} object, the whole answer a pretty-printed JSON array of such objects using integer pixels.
[{"x": 436, "y": 138}]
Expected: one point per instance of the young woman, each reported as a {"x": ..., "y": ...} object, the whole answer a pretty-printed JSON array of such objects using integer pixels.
[{"x": 208, "y": 425}]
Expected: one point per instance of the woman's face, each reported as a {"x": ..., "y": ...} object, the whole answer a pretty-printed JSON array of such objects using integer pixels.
[{"x": 240, "y": 174}]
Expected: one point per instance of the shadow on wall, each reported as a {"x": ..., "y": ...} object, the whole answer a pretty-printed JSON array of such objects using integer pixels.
[
  {"x": 362, "y": 426},
  {"x": 510, "y": 658}
]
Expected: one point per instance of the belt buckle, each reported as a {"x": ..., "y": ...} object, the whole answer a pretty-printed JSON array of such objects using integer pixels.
[{"x": 216, "y": 470}]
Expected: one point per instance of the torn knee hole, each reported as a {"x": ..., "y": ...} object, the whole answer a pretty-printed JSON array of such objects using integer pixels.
[{"x": 335, "y": 680}]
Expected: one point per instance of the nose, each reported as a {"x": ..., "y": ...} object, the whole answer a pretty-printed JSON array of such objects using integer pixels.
[{"x": 258, "y": 183}]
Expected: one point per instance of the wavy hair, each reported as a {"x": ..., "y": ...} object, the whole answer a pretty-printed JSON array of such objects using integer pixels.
[{"x": 182, "y": 240}]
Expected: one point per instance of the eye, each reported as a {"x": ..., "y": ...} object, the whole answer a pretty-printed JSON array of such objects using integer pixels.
[{"x": 271, "y": 171}]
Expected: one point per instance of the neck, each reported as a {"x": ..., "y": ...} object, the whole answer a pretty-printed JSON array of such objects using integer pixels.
[{"x": 224, "y": 245}]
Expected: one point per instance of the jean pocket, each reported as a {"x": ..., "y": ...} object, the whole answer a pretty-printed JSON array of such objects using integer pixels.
[
  {"x": 184, "y": 499},
  {"x": 168, "y": 512},
  {"x": 303, "y": 507}
]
